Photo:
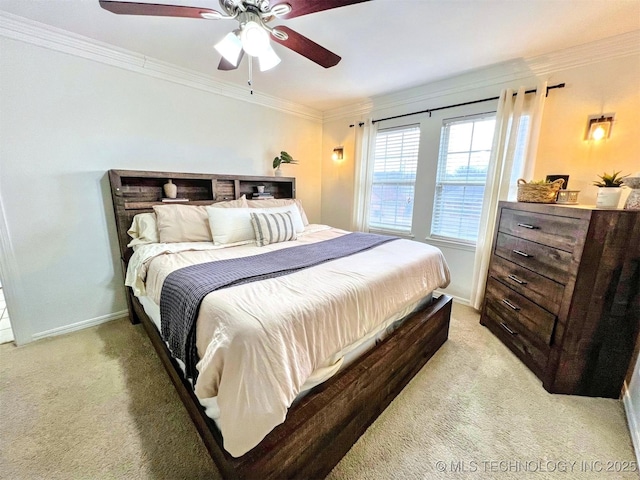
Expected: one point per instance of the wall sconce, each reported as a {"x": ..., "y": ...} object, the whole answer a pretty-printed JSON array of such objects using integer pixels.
[
  {"x": 338, "y": 154},
  {"x": 599, "y": 127}
]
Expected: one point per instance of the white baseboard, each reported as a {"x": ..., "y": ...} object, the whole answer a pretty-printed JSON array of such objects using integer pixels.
[
  {"x": 632, "y": 420},
  {"x": 92, "y": 322},
  {"x": 463, "y": 301}
]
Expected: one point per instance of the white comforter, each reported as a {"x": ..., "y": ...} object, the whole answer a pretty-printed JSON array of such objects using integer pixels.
[{"x": 259, "y": 342}]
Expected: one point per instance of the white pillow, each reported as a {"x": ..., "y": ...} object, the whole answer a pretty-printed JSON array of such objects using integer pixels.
[
  {"x": 189, "y": 223},
  {"x": 143, "y": 229},
  {"x": 233, "y": 225},
  {"x": 239, "y": 203},
  {"x": 182, "y": 223},
  {"x": 280, "y": 202},
  {"x": 272, "y": 227}
]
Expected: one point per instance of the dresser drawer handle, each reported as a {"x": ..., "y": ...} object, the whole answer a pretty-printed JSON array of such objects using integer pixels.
[
  {"x": 522, "y": 253},
  {"x": 530, "y": 227},
  {"x": 503, "y": 325},
  {"x": 510, "y": 305},
  {"x": 517, "y": 280}
]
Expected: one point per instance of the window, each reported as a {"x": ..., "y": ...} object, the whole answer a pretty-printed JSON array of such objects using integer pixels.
[
  {"x": 394, "y": 177},
  {"x": 463, "y": 162}
]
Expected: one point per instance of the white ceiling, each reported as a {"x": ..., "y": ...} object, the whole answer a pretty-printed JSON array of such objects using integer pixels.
[{"x": 385, "y": 45}]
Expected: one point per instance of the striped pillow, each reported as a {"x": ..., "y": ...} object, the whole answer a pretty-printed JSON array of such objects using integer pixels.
[{"x": 273, "y": 227}]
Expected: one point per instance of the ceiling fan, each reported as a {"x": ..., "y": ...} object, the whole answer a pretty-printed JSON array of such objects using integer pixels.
[{"x": 253, "y": 32}]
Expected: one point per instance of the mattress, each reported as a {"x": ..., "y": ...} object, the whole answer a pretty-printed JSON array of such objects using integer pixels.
[{"x": 263, "y": 344}]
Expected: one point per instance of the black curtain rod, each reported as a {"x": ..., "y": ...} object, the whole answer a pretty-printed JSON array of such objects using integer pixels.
[{"x": 559, "y": 85}]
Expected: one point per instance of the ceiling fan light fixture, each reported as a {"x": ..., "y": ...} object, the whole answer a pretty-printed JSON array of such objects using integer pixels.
[
  {"x": 254, "y": 38},
  {"x": 230, "y": 48},
  {"x": 268, "y": 59}
]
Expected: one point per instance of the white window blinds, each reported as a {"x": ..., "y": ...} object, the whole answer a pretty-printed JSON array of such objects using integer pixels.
[
  {"x": 394, "y": 177},
  {"x": 465, "y": 149}
]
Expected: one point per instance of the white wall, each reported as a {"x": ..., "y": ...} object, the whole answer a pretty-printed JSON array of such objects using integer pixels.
[
  {"x": 608, "y": 86},
  {"x": 66, "y": 120}
]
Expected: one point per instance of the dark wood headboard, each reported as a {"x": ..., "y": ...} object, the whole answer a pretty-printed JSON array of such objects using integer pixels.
[{"x": 134, "y": 192}]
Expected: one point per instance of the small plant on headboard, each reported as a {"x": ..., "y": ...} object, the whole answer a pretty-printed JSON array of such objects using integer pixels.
[{"x": 283, "y": 158}]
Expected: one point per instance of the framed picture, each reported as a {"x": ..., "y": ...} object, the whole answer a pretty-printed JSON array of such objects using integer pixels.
[{"x": 565, "y": 185}]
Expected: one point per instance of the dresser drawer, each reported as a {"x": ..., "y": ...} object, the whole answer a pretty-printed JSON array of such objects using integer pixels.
[
  {"x": 551, "y": 230},
  {"x": 539, "y": 289},
  {"x": 534, "y": 355},
  {"x": 524, "y": 315},
  {"x": 548, "y": 261}
]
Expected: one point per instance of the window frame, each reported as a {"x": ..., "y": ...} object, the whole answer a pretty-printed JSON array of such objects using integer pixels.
[
  {"x": 396, "y": 229},
  {"x": 446, "y": 240}
]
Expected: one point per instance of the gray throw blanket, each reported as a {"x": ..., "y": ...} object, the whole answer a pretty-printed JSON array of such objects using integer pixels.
[{"x": 183, "y": 290}]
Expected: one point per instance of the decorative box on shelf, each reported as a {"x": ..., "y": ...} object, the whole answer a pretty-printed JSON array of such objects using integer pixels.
[{"x": 567, "y": 196}]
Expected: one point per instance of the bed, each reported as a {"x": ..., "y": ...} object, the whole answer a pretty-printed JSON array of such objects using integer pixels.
[{"x": 315, "y": 423}]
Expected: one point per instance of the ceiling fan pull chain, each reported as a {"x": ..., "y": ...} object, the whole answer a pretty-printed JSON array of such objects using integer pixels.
[{"x": 250, "y": 82}]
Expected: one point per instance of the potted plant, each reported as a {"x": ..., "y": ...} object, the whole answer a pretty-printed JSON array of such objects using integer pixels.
[
  {"x": 283, "y": 158},
  {"x": 609, "y": 189}
]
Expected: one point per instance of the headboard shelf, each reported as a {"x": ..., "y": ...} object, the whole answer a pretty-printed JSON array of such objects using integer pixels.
[
  {"x": 148, "y": 205},
  {"x": 151, "y": 189},
  {"x": 137, "y": 191}
]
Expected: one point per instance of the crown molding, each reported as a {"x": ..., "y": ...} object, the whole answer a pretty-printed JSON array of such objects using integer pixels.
[
  {"x": 461, "y": 83},
  {"x": 622, "y": 45},
  {"x": 362, "y": 109},
  {"x": 46, "y": 36},
  {"x": 35, "y": 33},
  {"x": 464, "y": 82}
]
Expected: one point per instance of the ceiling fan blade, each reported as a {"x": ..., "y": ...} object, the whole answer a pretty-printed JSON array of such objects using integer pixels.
[
  {"x": 128, "y": 8},
  {"x": 305, "y": 7},
  {"x": 227, "y": 65},
  {"x": 307, "y": 48}
]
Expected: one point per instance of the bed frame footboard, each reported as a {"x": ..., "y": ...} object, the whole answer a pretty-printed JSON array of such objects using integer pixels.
[{"x": 323, "y": 426}]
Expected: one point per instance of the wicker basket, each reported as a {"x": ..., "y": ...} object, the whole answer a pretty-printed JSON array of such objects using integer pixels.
[{"x": 538, "y": 192}]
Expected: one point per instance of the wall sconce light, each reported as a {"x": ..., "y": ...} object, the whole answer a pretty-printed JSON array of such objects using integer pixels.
[
  {"x": 338, "y": 154},
  {"x": 599, "y": 127}
]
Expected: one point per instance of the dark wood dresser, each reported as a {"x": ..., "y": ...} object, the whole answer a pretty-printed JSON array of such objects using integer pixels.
[{"x": 563, "y": 293}]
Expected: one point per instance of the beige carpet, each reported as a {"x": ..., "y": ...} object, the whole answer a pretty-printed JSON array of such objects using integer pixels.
[{"x": 97, "y": 404}]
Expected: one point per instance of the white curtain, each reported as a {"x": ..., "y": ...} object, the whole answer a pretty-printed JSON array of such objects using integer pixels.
[
  {"x": 365, "y": 141},
  {"x": 513, "y": 154}
]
